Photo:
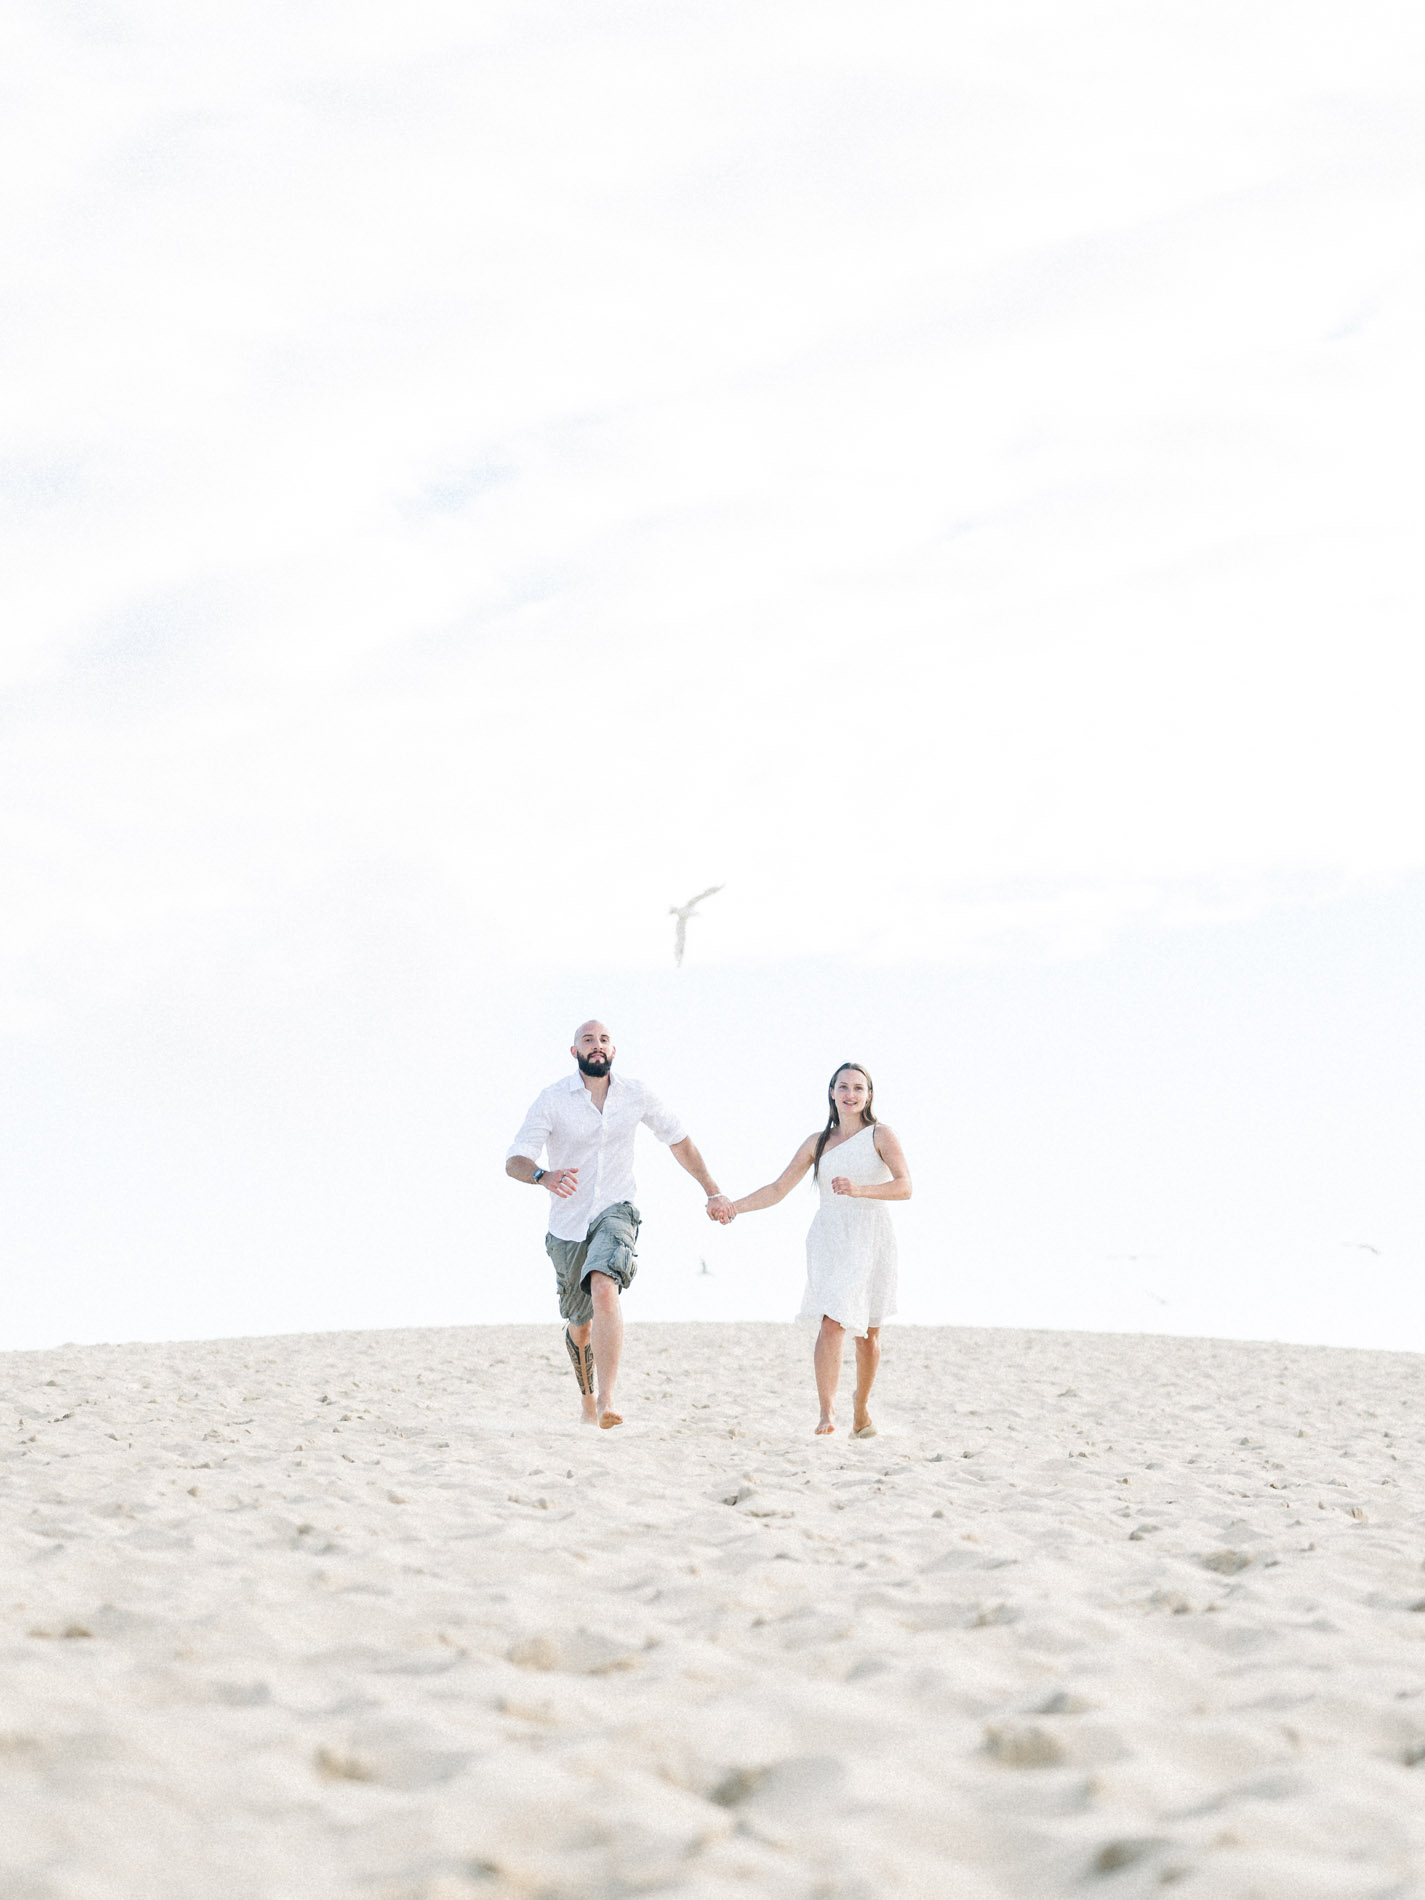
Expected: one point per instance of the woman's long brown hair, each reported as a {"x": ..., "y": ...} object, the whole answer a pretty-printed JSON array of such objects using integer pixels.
[{"x": 834, "y": 1118}]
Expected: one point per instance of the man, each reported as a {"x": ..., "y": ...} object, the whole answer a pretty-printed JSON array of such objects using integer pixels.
[{"x": 587, "y": 1123}]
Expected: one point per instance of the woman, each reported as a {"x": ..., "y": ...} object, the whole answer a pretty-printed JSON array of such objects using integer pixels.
[{"x": 851, "y": 1250}]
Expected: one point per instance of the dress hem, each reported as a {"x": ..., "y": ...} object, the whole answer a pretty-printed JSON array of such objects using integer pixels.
[{"x": 805, "y": 1318}]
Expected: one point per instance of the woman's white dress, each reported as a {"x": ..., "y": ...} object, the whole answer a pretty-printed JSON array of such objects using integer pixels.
[{"x": 851, "y": 1247}]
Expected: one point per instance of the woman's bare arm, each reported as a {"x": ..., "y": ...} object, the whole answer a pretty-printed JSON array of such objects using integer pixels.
[
  {"x": 896, "y": 1189},
  {"x": 779, "y": 1189}
]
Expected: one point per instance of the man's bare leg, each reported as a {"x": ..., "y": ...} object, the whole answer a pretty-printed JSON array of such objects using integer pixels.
[
  {"x": 827, "y": 1361},
  {"x": 608, "y": 1345},
  {"x": 576, "y": 1338},
  {"x": 868, "y": 1358}
]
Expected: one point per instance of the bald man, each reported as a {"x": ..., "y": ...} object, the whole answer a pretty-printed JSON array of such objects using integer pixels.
[{"x": 586, "y": 1123}]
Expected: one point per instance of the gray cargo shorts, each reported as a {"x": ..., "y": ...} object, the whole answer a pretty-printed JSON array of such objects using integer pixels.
[{"x": 608, "y": 1247}]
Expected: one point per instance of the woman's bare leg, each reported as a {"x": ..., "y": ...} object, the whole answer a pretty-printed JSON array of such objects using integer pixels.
[
  {"x": 827, "y": 1360},
  {"x": 868, "y": 1358}
]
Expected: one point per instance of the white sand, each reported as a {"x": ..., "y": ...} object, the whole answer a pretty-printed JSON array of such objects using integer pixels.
[{"x": 369, "y": 1615}]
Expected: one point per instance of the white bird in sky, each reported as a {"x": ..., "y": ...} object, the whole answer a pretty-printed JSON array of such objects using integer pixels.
[{"x": 683, "y": 912}]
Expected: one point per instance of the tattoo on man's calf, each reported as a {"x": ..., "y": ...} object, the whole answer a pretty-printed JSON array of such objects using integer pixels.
[{"x": 582, "y": 1359}]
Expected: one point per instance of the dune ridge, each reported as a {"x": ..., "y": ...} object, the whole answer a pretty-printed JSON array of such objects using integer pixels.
[{"x": 370, "y": 1614}]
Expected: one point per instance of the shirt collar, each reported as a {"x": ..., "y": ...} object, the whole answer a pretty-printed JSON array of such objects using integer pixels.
[{"x": 575, "y": 1082}]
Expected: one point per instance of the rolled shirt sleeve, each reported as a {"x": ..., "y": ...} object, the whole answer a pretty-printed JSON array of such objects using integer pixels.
[
  {"x": 534, "y": 1132},
  {"x": 661, "y": 1120}
]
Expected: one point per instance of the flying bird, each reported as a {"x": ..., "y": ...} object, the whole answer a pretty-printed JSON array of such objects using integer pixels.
[{"x": 683, "y": 912}]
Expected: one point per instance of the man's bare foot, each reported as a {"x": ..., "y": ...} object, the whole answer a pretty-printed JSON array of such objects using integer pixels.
[
  {"x": 609, "y": 1419},
  {"x": 590, "y": 1416},
  {"x": 825, "y": 1426}
]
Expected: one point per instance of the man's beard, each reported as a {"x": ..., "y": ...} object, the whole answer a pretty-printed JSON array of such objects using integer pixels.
[{"x": 597, "y": 1066}]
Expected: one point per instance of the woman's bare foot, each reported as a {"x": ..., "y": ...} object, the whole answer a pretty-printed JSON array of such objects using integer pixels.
[
  {"x": 825, "y": 1425},
  {"x": 609, "y": 1419},
  {"x": 865, "y": 1429}
]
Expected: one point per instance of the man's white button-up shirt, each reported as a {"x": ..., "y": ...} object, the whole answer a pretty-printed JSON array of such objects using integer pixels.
[{"x": 565, "y": 1123}]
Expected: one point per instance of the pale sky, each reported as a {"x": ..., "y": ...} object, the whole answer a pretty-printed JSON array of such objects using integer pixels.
[{"x": 473, "y": 479}]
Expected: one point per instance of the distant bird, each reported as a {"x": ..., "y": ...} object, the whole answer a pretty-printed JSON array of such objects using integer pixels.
[{"x": 683, "y": 912}]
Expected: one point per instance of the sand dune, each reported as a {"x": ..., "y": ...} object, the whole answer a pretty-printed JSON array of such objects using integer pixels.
[{"x": 370, "y": 1615}]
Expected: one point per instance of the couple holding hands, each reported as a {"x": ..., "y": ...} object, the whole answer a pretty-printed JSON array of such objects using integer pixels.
[{"x": 585, "y": 1125}]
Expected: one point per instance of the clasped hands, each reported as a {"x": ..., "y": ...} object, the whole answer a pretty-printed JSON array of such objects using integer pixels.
[{"x": 724, "y": 1212}]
